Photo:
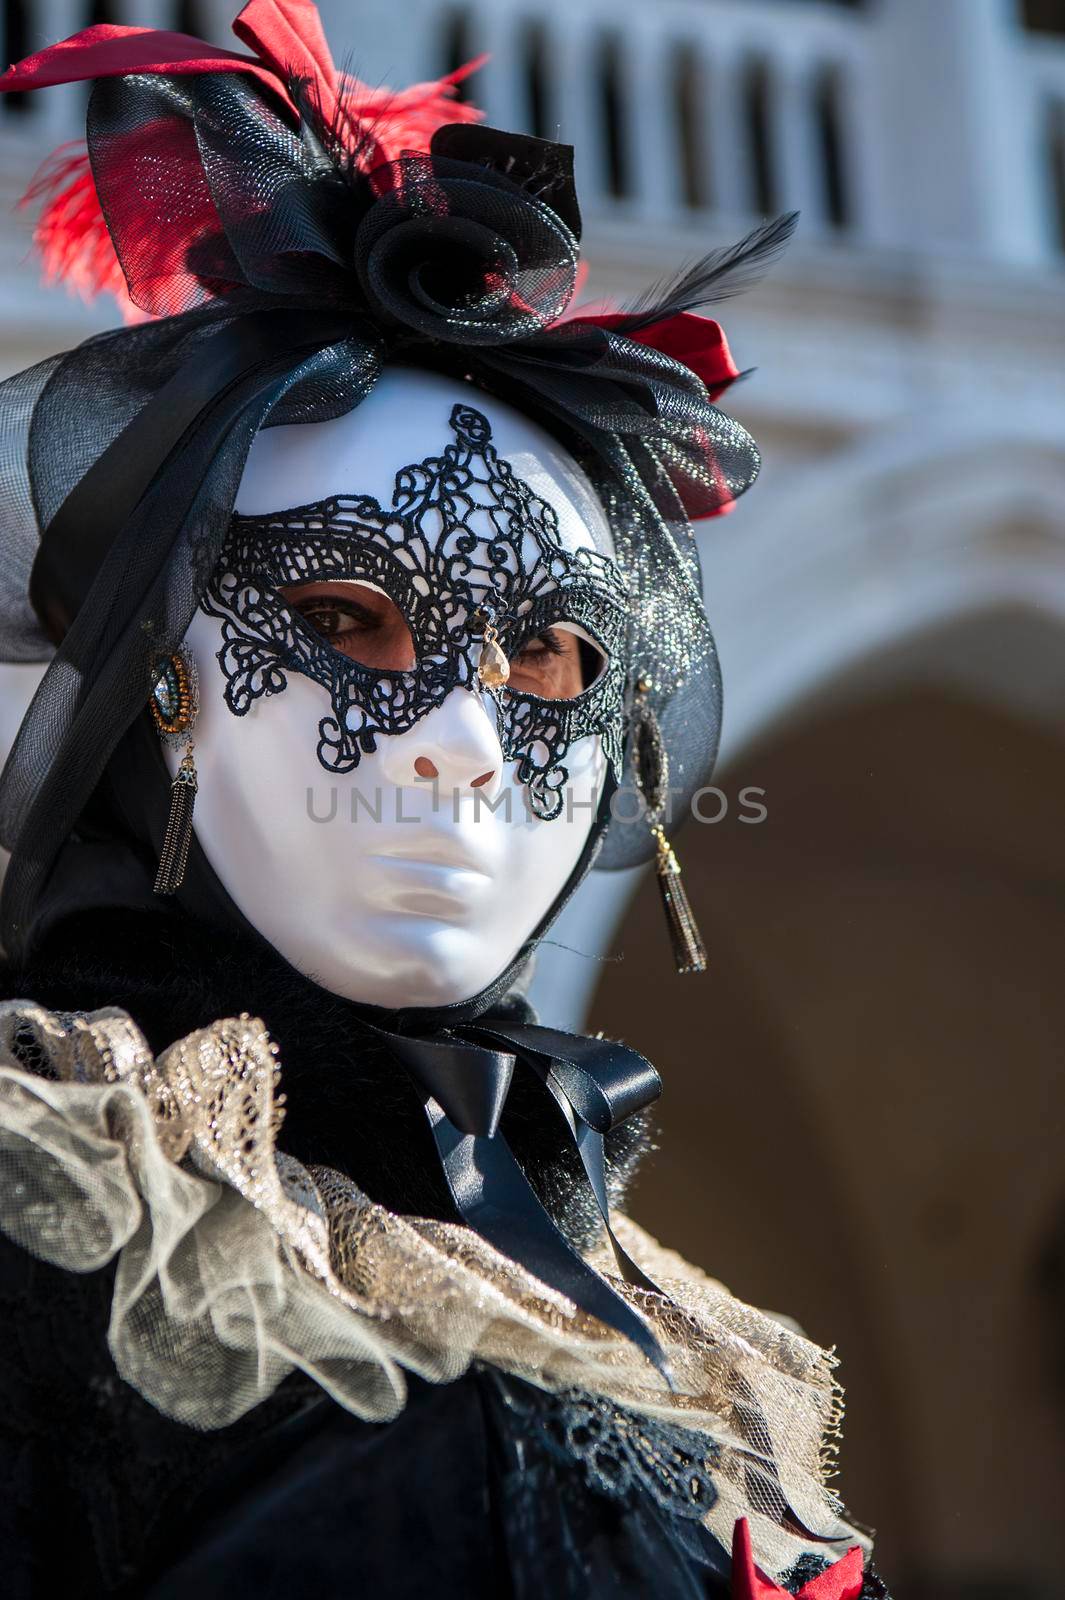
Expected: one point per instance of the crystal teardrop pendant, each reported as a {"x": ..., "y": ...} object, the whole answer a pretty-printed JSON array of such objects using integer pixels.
[{"x": 493, "y": 668}]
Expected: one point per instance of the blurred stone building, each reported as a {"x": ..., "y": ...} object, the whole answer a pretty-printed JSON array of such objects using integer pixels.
[{"x": 865, "y": 1107}]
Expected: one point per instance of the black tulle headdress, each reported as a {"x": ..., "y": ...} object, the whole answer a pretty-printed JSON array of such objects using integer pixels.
[{"x": 282, "y": 233}]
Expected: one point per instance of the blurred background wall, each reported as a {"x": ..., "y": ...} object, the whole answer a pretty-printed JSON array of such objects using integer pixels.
[{"x": 864, "y": 1111}]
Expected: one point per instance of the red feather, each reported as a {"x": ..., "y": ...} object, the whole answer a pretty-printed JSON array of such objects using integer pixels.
[
  {"x": 406, "y": 119},
  {"x": 71, "y": 235}
]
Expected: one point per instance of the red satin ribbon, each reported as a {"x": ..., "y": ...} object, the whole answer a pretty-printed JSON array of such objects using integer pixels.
[
  {"x": 842, "y": 1581},
  {"x": 110, "y": 51}
]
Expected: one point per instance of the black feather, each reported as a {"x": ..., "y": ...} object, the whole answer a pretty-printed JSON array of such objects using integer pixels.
[
  {"x": 717, "y": 276},
  {"x": 341, "y": 138}
]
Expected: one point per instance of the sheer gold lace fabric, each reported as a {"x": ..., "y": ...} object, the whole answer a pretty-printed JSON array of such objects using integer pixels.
[{"x": 236, "y": 1265}]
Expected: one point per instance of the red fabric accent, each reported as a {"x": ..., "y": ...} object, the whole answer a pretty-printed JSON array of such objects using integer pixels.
[
  {"x": 747, "y": 1582},
  {"x": 287, "y": 35},
  {"x": 842, "y": 1581},
  {"x": 110, "y": 51},
  {"x": 696, "y": 342}
]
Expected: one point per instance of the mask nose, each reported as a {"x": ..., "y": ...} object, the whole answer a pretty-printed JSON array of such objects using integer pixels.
[
  {"x": 455, "y": 744},
  {"x": 425, "y": 768}
]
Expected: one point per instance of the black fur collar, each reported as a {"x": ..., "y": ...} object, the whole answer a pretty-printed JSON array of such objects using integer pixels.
[{"x": 349, "y": 1104}]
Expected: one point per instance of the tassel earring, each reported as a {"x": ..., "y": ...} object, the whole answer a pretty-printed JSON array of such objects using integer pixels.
[
  {"x": 651, "y": 763},
  {"x": 175, "y": 703}
]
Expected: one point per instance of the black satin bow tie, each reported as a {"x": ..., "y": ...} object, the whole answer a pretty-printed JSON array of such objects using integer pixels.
[{"x": 464, "y": 1075}]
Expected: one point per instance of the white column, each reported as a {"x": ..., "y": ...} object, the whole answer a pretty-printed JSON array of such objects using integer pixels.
[
  {"x": 727, "y": 133},
  {"x": 650, "y": 124},
  {"x": 950, "y": 91},
  {"x": 383, "y": 42},
  {"x": 794, "y": 150},
  {"x": 153, "y": 14},
  {"x": 498, "y": 87},
  {"x": 52, "y": 20},
  {"x": 216, "y": 19},
  {"x": 577, "y": 102}
]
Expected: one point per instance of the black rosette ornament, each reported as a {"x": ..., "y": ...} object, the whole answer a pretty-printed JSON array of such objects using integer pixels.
[{"x": 457, "y": 251}]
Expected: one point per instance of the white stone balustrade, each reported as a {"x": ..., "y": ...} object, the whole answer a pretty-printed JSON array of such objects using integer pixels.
[{"x": 943, "y": 111}]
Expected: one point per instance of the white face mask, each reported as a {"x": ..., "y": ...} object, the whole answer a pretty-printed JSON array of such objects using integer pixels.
[{"x": 383, "y": 882}]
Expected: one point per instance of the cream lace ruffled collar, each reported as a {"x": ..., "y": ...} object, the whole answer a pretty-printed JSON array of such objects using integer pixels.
[{"x": 237, "y": 1265}]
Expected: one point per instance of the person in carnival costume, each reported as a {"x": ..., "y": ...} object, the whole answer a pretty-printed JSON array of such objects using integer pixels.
[{"x": 363, "y": 568}]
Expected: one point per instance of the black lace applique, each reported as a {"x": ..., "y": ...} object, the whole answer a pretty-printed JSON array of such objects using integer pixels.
[
  {"x": 809, "y": 1566},
  {"x": 620, "y": 1453},
  {"x": 464, "y": 541}
]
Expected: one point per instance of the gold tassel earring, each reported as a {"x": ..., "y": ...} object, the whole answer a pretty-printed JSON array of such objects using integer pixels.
[
  {"x": 651, "y": 764},
  {"x": 175, "y": 703}
]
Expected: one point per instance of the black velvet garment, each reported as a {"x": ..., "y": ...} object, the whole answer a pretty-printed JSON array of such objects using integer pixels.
[{"x": 470, "y": 1492}]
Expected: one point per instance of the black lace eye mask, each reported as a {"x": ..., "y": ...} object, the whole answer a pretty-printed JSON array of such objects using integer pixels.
[{"x": 464, "y": 540}]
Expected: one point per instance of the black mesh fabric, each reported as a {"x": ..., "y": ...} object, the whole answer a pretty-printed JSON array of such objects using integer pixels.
[
  {"x": 268, "y": 252},
  {"x": 21, "y": 638}
]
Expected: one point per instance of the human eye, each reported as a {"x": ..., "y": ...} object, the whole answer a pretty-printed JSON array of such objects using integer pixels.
[
  {"x": 360, "y": 621},
  {"x": 334, "y": 618},
  {"x": 558, "y": 663}
]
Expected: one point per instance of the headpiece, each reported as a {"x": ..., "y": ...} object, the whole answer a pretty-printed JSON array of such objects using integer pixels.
[{"x": 282, "y": 232}]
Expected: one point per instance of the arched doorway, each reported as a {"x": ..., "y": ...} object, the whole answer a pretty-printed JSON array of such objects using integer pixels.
[{"x": 864, "y": 1110}]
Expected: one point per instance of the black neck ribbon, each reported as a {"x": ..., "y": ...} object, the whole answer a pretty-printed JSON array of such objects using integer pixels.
[{"x": 464, "y": 1074}]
